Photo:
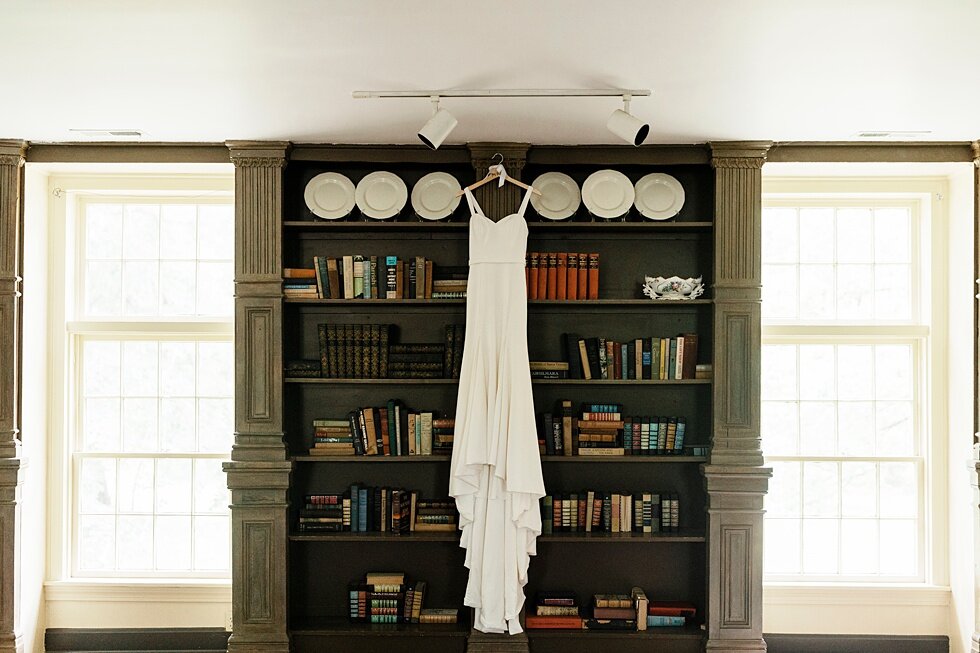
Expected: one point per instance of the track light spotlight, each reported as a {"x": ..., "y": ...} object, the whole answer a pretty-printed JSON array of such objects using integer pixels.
[
  {"x": 438, "y": 127},
  {"x": 628, "y": 127}
]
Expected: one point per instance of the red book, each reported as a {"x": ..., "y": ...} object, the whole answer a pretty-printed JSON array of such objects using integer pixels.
[
  {"x": 527, "y": 274},
  {"x": 583, "y": 275},
  {"x": 571, "y": 283},
  {"x": 690, "y": 355},
  {"x": 617, "y": 361},
  {"x": 554, "y": 623},
  {"x": 671, "y": 609},
  {"x": 613, "y": 613},
  {"x": 561, "y": 290},
  {"x": 532, "y": 280},
  {"x": 593, "y": 276},
  {"x": 552, "y": 275},
  {"x": 543, "y": 276}
]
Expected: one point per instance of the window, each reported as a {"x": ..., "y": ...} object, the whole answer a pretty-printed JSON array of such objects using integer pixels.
[
  {"x": 149, "y": 313},
  {"x": 847, "y": 350}
]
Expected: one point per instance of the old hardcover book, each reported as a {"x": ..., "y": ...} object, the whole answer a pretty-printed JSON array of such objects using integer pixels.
[
  {"x": 571, "y": 282},
  {"x": 603, "y": 360},
  {"x": 316, "y": 273},
  {"x": 593, "y": 276},
  {"x": 447, "y": 354},
  {"x": 583, "y": 275},
  {"x": 428, "y": 279},
  {"x": 613, "y": 613},
  {"x": 570, "y": 353},
  {"x": 612, "y": 601},
  {"x": 348, "y": 277},
  {"x": 548, "y": 622},
  {"x": 383, "y": 340},
  {"x": 322, "y": 332},
  {"x": 426, "y": 430},
  {"x": 533, "y": 273},
  {"x": 630, "y": 361},
  {"x": 367, "y": 417},
  {"x": 400, "y": 280},
  {"x": 638, "y": 358},
  {"x": 391, "y": 277},
  {"x": 333, "y": 279},
  {"x": 561, "y": 275},
  {"x": 690, "y": 356},
  {"x": 592, "y": 349},
  {"x": 543, "y": 276},
  {"x": 410, "y": 280},
  {"x": 584, "y": 358},
  {"x": 567, "y": 431},
  {"x": 552, "y": 286}
]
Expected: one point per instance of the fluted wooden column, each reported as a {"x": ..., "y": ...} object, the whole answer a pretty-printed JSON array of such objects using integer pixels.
[
  {"x": 258, "y": 474},
  {"x": 498, "y": 202},
  {"x": 735, "y": 479},
  {"x": 11, "y": 328}
]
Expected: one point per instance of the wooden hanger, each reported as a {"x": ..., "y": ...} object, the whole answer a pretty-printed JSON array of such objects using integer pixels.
[{"x": 493, "y": 175}]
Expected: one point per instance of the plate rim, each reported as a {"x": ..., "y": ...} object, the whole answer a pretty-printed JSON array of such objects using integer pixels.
[
  {"x": 341, "y": 178},
  {"x": 615, "y": 174},
  {"x": 662, "y": 215},
  {"x": 359, "y": 195},
  {"x": 578, "y": 194},
  {"x": 453, "y": 205}
]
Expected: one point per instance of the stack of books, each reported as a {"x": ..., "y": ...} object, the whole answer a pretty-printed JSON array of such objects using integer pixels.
[
  {"x": 666, "y": 614},
  {"x": 389, "y": 430},
  {"x": 299, "y": 282},
  {"x": 436, "y": 516},
  {"x": 612, "y": 612},
  {"x": 439, "y": 616},
  {"x": 600, "y": 429},
  {"x": 554, "y": 610},
  {"x": 332, "y": 437},
  {"x": 324, "y": 513},
  {"x": 562, "y": 275},
  {"x": 650, "y": 357},
  {"x": 610, "y": 512},
  {"x": 549, "y": 370},
  {"x": 385, "y": 598}
]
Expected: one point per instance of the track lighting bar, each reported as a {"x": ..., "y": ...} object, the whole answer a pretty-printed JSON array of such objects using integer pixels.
[{"x": 507, "y": 92}]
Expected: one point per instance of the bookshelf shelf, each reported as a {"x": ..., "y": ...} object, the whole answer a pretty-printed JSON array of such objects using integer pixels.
[
  {"x": 435, "y": 227},
  {"x": 333, "y": 626},
  {"x": 322, "y": 381},
  {"x": 682, "y": 537},
  {"x": 544, "y": 459},
  {"x": 690, "y": 632},
  {"x": 585, "y": 303}
]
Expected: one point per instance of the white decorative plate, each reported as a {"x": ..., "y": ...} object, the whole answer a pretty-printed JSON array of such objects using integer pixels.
[
  {"x": 559, "y": 198},
  {"x": 608, "y": 194},
  {"x": 434, "y": 196},
  {"x": 381, "y": 195},
  {"x": 659, "y": 196},
  {"x": 330, "y": 195}
]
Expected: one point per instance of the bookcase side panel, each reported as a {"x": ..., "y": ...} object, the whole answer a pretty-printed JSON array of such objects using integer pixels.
[
  {"x": 259, "y": 473},
  {"x": 735, "y": 479}
]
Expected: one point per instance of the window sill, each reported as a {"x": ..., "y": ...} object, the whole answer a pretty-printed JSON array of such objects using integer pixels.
[
  {"x": 865, "y": 594},
  {"x": 135, "y": 590}
]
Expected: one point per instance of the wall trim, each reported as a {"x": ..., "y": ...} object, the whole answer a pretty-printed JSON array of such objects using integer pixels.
[
  {"x": 854, "y": 595},
  {"x": 871, "y": 152},
  {"x": 129, "y": 592},
  {"x": 127, "y": 153}
]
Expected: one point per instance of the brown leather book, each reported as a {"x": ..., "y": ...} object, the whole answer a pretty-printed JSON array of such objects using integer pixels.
[
  {"x": 552, "y": 275},
  {"x": 571, "y": 284},
  {"x": 532, "y": 287},
  {"x": 561, "y": 283},
  {"x": 428, "y": 279},
  {"x": 583, "y": 275},
  {"x": 543, "y": 276},
  {"x": 593, "y": 276}
]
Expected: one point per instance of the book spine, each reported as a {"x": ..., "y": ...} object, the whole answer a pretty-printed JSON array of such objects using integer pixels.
[
  {"x": 690, "y": 356},
  {"x": 561, "y": 276},
  {"x": 552, "y": 289},
  {"x": 391, "y": 277},
  {"x": 593, "y": 276},
  {"x": 542, "y": 292},
  {"x": 571, "y": 283},
  {"x": 533, "y": 270},
  {"x": 324, "y": 349}
]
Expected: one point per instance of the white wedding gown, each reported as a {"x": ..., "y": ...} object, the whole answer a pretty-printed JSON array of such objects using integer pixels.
[{"x": 495, "y": 475}]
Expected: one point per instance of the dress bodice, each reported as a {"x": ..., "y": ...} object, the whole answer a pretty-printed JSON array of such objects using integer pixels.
[{"x": 504, "y": 241}]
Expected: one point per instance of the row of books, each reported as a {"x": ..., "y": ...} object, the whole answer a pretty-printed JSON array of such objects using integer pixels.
[
  {"x": 562, "y": 275},
  {"x": 389, "y": 430},
  {"x": 602, "y": 430},
  {"x": 642, "y": 358},
  {"x": 375, "y": 277},
  {"x": 595, "y": 511},
  {"x": 388, "y": 598},
  {"x": 366, "y": 351},
  {"x": 633, "y": 611},
  {"x": 363, "y": 509}
]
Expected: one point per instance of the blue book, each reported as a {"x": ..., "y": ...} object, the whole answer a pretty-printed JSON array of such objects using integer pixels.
[
  {"x": 655, "y": 621},
  {"x": 679, "y": 436},
  {"x": 367, "y": 278},
  {"x": 362, "y": 516},
  {"x": 354, "y": 512},
  {"x": 624, "y": 372},
  {"x": 654, "y": 435},
  {"x": 628, "y": 435}
]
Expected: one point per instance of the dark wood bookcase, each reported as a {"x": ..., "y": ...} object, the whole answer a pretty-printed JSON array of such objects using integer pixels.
[{"x": 292, "y": 585}]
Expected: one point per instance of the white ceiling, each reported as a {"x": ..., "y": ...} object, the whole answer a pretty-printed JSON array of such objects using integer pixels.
[{"x": 186, "y": 70}]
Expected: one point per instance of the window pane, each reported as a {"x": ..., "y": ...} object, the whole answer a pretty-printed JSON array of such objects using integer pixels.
[
  {"x": 134, "y": 542},
  {"x": 216, "y": 231},
  {"x": 216, "y": 424},
  {"x": 173, "y": 486},
  {"x": 779, "y": 236},
  {"x": 135, "y": 485},
  {"x": 893, "y": 372},
  {"x": 856, "y": 428},
  {"x": 211, "y": 544},
  {"x": 859, "y": 490},
  {"x": 215, "y": 369},
  {"x": 893, "y": 292},
  {"x": 103, "y": 231},
  {"x": 898, "y": 487},
  {"x": 818, "y": 420},
  {"x": 820, "y": 546},
  {"x": 855, "y": 292},
  {"x": 172, "y": 543},
  {"x": 140, "y": 288},
  {"x": 139, "y": 425},
  {"x": 210, "y": 489},
  {"x": 139, "y": 368},
  {"x": 859, "y": 547},
  {"x": 899, "y": 547},
  {"x": 782, "y": 546},
  {"x": 177, "y": 429},
  {"x": 779, "y": 372},
  {"x": 178, "y": 287},
  {"x": 820, "y": 490},
  {"x": 97, "y": 486},
  {"x": 783, "y": 498},
  {"x": 854, "y": 236},
  {"x": 817, "y": 292},
  {"x": 100, "y": 426},
  {"x": 96, "y": 542},
  {"x": 894, "y": 428},
  {"x": 817, "y": 372},
  {"x": 892, "y": 235},
  {"x": 178, "y": 231},
  {"x": 141, "y": 231},
  {"x": 780, "y": 427},
  {"x": 816, "y": 235},
  {"x": 177, "y": 369},
  {"x": 103, "y": 288},
  {"x": 214, "y": 288},
  {"x": 780, "y": 291},
  {"x": 102, "y": 368},
  {"x": 855, "y": 372}
]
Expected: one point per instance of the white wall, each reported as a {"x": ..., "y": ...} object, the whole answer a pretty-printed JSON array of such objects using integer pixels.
[{"x": 34, "y": 422}]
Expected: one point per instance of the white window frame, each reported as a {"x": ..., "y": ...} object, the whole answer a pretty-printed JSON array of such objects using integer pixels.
[
  {"x": 67, "y": 193},
  {"x": 929, "y": 344}
]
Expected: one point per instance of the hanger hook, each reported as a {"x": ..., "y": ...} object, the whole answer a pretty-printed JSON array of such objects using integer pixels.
[{"x": 495, "y": 156}]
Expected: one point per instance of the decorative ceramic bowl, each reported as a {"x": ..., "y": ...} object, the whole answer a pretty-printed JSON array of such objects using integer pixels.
[{"x": 672, "y": 288}]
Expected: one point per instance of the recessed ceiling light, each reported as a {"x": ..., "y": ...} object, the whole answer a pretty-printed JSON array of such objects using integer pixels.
[
  {"x": 898, "y": 134},
  {"x": 107, "y": 133}
]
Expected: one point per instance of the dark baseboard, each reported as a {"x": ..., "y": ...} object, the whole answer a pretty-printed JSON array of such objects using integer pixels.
[
  {"x": 784, "y": 643},
  {"x": 171, "y": 640},
  {"x": 214, "y": 640}
]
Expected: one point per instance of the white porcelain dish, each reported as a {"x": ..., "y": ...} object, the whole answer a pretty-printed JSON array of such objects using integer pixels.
[
  {"x": 560, "y": 196},
  {"x": 381, "y": 195},
  {"x": 608, "y": 194},
  {"x": 330, "y": 196},
  {"x": 434, "y": 196},
  {"x": 659, "y": 196}
]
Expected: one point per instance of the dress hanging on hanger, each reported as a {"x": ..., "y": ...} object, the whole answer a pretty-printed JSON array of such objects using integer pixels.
[{"x": 495, "y": 474}]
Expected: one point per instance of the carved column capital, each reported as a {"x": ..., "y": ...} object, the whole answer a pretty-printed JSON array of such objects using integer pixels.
[
  {"x": 12, "y": 152},
  {"x": 739, "y": 154},
  {"x": 975, "y": 146},
  {"x": 258, "y": 154},
  {"x": 498, "y": 202}
]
